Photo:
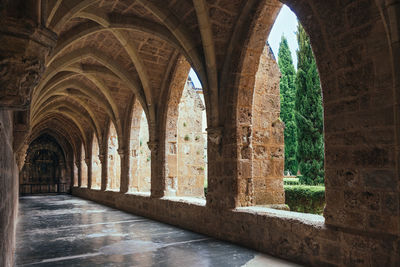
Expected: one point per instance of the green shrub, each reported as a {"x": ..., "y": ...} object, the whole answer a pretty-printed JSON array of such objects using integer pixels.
[
  {"x": 305, "y": 198},
  {"x": 291, "y": 181}
]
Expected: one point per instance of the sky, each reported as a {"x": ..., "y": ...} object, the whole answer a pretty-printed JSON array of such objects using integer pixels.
[{"x": 285, "y": 24}]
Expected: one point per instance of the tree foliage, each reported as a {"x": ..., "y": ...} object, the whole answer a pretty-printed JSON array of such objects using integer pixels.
[
  {"x": 309, "y": 114},
  {"x": 288, "y": 94}
]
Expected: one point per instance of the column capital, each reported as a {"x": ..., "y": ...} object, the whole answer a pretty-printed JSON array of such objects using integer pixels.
[
  {"x": 23, "y": 61},
  {"x": 153, "y": 146},
  {"x": 102, "y": 158},
  {"x": 122, "y": 152},
  {"x": 215, "y": 134}
]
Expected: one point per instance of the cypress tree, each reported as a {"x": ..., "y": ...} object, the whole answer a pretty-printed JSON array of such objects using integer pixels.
[
  {"x": 309, "y": 114},
  {"x": 287, "y": 94}
]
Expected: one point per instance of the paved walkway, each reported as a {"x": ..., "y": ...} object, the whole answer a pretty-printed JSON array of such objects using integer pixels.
[{"x": 62, "y": 230}]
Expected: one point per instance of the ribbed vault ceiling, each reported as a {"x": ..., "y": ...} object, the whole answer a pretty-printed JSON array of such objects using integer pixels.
[{"x": 111, "y": 53}]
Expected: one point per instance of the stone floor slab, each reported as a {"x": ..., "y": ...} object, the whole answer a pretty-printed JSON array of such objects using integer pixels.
[{"x": 62, "y": 230}]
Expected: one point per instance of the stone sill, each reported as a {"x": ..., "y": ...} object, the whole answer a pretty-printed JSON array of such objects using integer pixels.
[
  {"x": 111, "y": 190},
  {"x": 188, "y": 200},
  {"x": 140, "y": 194},
  {"x": 306, "y": 218}
]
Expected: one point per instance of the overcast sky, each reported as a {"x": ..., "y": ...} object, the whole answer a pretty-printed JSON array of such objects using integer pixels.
[{"x": 285, "y": 24}]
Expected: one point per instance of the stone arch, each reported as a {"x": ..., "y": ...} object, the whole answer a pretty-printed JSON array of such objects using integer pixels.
[
  {"x": 67, "y": 144},
  {"x": 230, "y": 144},
  {"x": 90, "y": 53},
  {"x": 45, "y": 169},
  {"x": 350, "y": 98}
]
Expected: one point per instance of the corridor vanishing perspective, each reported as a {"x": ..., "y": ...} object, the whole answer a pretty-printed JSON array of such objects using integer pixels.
[
  {"x": 68, "y": 231},
  {"x": 95, "y": 102}
]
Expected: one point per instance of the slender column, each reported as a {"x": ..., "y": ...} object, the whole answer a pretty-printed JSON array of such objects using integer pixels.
[
  {"x": 124, "y": 155},
  {"x": 103, "y": 161},
  {"x": 157, "y": 184},
  {"x": 78, "y": 165},
  {"x": 62, "y": 176},
  {"x": 89, "y": 172},
  {"x": 221, "y": 191}
]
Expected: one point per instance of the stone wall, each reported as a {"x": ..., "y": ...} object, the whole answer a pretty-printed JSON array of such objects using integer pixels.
[
  {"x": 300, "y": 237},
  {"x": 267, "y": 134},
  {"x": 8, "y": 190}
]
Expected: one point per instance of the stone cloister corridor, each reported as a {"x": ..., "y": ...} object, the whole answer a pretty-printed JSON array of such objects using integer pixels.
[
  {"x": 94, "y": 103},
  {"x": 60, "y": 230}
]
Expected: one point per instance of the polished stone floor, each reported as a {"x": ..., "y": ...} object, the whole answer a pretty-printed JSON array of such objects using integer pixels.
[{"x": 62, "y": 230}]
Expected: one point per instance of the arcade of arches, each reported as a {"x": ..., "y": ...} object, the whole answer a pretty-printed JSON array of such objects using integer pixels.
[{"x": 92, "y": 102}]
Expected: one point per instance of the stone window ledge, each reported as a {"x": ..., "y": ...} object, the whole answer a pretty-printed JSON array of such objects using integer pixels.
[
  {"x": 311, "y": 219},
  {"x": 112, "y": 190},
  {"x": 141, "y": 194},
  {"x": 189, "y": 200}
]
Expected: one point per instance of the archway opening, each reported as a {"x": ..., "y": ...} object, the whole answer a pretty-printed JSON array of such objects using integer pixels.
[
  {"x": 84, "y": 168},
  {"x": 140, "y": 154},
  {"x": 114, "y": 160},
  {"x": 96, "y": 164},
  {"x": 186, "y": 137},
  {"x": 287, "y": 123},
  {"x": 45, "y": 169},
  {"x": 76, "y": 172}
]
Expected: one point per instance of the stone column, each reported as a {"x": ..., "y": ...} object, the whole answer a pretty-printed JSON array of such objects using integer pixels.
[
  {"x": 89, "y": 172},
  {"x": 61, "y": 178},
  {"x": 24, "y": 46},
  {"x": 157, "y": 185},
  {"x": 23, "y": 51},
  {"x": 124, "y": 155},
  {"x": 103, "y": 161},
  {"x": 221, "y": 192},
  {"x": 78, "y": 165},
  {"x": 71, "y": 173}
]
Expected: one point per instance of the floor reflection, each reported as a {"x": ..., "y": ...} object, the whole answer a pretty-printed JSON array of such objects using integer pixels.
[{"x": 61, "y": 230}]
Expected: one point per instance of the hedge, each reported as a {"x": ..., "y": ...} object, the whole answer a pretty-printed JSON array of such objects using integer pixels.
[
  {"x": 302, "y": 198},
  {"x": 291, "y": 181},
  {"x": 305, "y": 198}
]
